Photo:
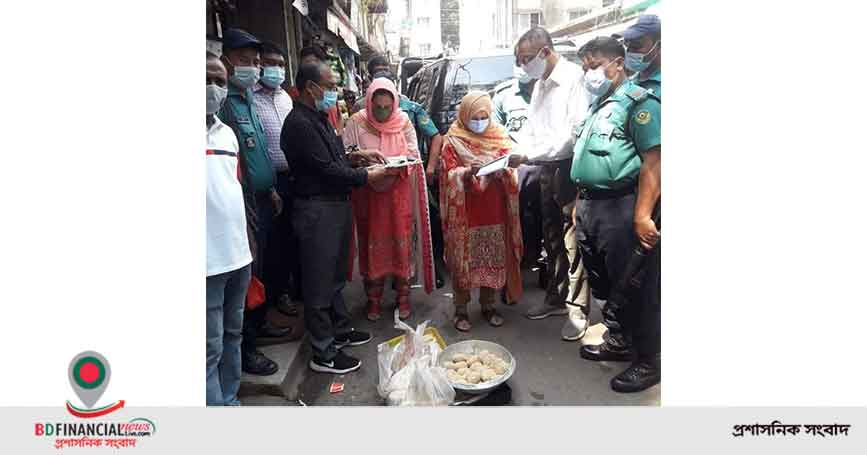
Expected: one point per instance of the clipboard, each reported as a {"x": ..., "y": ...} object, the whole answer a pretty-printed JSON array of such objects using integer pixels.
[{"x": 494, "y": 166}]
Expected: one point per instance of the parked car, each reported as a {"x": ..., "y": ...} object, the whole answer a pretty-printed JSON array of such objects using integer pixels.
[{"x": 440, "y": 85}]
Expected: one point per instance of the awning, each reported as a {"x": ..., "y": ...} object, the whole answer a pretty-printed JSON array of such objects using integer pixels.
[{"x": 343, "y": 30}]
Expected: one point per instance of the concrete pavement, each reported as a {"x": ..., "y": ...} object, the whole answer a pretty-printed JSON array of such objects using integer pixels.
[{"x": 549, "y": 370}]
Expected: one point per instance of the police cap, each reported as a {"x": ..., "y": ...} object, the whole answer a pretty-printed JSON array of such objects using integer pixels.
[
  {"x": 646, "y": 24},
  {"x": 235, "y": 38}
]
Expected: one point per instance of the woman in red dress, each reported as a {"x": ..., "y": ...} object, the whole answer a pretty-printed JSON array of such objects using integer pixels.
[
  {"x": 391, "y": 219},
  {"x": 479, "y": 214}
]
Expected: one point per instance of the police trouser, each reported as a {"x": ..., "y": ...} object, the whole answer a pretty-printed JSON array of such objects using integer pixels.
[
  {"x": 323, "y": 228},
  {"x": 607, "y": 241},
  {"x": 558, "y": 198},
  {"x": 264, "y": 221}
]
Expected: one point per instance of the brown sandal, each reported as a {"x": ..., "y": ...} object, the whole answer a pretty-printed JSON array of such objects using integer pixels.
[
  {"x": 492, "y": 316},
  {"x": 462, "y": 319}
]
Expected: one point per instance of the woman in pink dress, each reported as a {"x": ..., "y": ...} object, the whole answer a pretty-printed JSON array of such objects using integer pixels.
[{"x": 391, "y": 219}]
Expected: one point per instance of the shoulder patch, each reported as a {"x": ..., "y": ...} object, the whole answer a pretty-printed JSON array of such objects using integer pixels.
[
  {"x": 643, "y": 117},
  {"x": 637, "y": 93},
  {"x": 503, "y": 86}
]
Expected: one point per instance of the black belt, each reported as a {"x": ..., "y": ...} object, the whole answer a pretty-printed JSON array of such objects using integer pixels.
[
  {"x": 324, "y": 197},
  {"x": 596, "y": 193}
]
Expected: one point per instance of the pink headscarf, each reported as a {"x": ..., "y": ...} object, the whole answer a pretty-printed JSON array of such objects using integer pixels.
[{"x": 391, "y": 138}]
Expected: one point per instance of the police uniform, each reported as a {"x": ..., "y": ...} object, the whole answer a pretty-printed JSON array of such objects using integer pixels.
[
  {"x": 511, "y": 102},
  {"x": 257, "y": 178},
  {"x": 607, "y": 159},
  {"x": 652, "y": 82}
]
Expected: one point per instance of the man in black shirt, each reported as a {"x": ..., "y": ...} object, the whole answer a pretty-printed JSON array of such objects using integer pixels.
[{"x": 322, "y": 214}]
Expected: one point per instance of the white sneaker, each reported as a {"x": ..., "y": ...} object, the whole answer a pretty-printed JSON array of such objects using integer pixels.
[{"x": 576, "y": 324}]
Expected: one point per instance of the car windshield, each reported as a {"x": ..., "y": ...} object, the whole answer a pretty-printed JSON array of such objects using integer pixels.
[
  {"x": 483, "y": 73},
  {"x": 479, "y": 73}
]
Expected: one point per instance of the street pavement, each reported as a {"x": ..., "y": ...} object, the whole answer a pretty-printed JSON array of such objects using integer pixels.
[{"x": 549, "y": 371}]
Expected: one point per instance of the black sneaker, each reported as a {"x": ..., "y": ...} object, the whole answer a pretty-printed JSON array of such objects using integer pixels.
[
  {"x": 340, "y": 364},
  {"x": 351, "y": 338}
]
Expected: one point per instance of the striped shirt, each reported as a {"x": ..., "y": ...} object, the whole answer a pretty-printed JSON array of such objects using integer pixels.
[{"x": 272, "y": 107}]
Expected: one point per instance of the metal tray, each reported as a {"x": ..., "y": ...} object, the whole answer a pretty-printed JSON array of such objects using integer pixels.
[{"x": 474, "y": 347}]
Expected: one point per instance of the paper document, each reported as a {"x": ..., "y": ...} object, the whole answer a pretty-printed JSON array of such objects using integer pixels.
[{"x": 494, "y": 166}]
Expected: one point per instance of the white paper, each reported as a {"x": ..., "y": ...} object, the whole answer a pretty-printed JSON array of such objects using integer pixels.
[{"x": 494, "y": 166}]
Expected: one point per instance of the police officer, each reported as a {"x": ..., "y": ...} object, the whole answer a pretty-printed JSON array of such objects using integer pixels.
[
  {"x": 616, "y": 167},
  {"x": 241, "y": 57},
  {"x": 644, "y": 51}
]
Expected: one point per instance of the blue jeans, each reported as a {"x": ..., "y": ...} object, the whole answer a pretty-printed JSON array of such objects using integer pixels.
[{"x": 225, "y": 295}]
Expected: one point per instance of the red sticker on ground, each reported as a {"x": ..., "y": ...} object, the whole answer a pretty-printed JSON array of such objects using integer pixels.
[{"x": 336, "y": 387}]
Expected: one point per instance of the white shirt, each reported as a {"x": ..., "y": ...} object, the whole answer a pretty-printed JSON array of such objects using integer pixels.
[
  {"x": 558, "y": 104},
  {"x": 226, "y": 238}
]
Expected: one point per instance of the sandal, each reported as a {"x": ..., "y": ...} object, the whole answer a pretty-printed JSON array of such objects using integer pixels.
[
  {"x": 374, "y": 311},
  {"x": 492, "y": 316},
  {"x": 403, "y": 306},
  {"x": 462, "y": 319}
]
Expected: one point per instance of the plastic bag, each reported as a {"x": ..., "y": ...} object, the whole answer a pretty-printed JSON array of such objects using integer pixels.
[
  {"x": 408, "y": 375},
  {"x": 429, "y": 386}
]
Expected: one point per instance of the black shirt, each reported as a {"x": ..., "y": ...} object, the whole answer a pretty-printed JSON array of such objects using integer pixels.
[{"x": 316, "y": 155}]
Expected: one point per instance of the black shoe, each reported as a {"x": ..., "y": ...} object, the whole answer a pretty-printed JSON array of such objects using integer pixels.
[
  {"x": 639, "y": 376},
  {"x": 352, "y": 338},
  {"x": 606, "y": 352},
  {"x": 340, "y": 364},
  {"x": 256, "y": 363},
  {"x": 286, "y": 306},
  {"x": 269, "y": 331}
]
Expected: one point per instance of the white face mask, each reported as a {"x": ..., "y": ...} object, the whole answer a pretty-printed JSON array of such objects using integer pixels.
[
  {"x": 214, "y": 97},
  {"x": 595, "y": 81},
  {"x": 535, "y": 68}
]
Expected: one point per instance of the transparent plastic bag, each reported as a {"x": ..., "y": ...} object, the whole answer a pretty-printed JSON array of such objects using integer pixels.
[
  {"x": 429, "y": 386},
  {"x": 408, "y": 372}
]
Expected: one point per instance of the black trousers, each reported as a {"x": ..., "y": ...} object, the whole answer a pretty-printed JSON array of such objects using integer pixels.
[
  {"x": 262, "y": 227},
  {"x": 283, "y": 270},
  {"x": 607, "y": 240},
  {"x": 530, "y": 199},
  {"x": 436, "y": 227},
  {"x": 323, "y": 229}
]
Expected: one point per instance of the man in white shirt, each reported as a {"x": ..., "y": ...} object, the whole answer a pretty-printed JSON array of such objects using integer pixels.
[
  {"x": 228, "y": 250},
  {"x": 559, "y": 102}
]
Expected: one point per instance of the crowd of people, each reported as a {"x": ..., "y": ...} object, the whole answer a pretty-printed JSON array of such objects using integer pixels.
[{"x": 296, "y": 193}]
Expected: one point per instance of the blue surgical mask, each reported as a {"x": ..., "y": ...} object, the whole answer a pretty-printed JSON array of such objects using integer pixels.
[
  {"x": 273, "y": 76},
  {"x": 245, "y": 76},
  {"x": 328, "y": 101},
  {"x": 479, "y": 126},
  {"x": 635, "y": 61}
]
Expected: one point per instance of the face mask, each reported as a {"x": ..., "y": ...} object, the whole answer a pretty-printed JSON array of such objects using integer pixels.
[
  {"x": 595, "y": 81},
  {"x": 635, "y": 61},
  {"x": 479, "y": 126},
  {"x": 381, "y": 114},
  {"x": 536, "y": 67},
  {"x": 273, "y": 76},
  {"x": 245, "y": 76},
  {"x": 329, "y": 100},
  {"x": 521, "y": 75},
  {"x": 214, "y": 97}
]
